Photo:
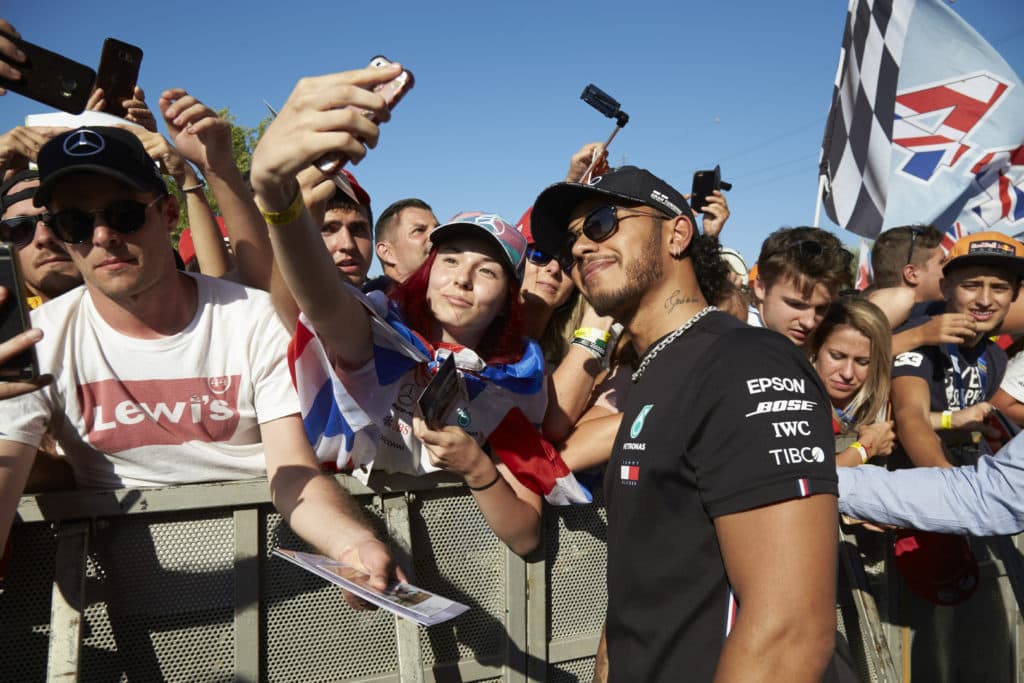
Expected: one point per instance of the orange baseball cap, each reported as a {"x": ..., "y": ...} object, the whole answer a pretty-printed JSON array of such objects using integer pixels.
[{"x": 995, "y": 249}]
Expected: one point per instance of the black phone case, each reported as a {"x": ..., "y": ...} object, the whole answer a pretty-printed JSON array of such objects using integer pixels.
[
  {"x": 14, "y": 317},
  {"x": 440, "y": 394},
  {"x": 51, "y": 79},
  {"x": 118, "y": 73}
]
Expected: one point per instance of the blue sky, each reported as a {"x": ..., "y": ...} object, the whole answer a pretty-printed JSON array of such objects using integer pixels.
[{"x": 496, "y": 113}]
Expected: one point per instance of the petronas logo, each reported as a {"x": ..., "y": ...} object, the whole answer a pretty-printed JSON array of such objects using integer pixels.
[{"x": 638, "y": 423}]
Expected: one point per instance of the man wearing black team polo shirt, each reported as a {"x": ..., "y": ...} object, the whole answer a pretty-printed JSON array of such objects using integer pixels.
[{"x": 721, "y": 486}]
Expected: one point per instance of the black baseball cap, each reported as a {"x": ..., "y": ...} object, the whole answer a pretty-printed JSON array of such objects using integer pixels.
[
  {"x": 549, "y": 221},
  {"x": 108, "y": 151}
]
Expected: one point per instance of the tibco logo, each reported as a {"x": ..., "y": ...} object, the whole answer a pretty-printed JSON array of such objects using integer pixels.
[{"x": 794, "y": 456}]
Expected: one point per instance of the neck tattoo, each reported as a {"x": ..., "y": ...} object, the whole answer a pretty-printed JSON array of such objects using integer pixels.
[
  {"x": 677, "y": 298},
  {"x": 668, "y": 339}
]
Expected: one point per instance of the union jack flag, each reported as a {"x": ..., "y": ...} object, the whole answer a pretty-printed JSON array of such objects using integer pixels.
[{"x": 926, "y": 124}]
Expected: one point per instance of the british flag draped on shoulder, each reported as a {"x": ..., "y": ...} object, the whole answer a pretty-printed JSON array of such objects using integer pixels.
[
  {"x": 363, "y": 418},
  {"x": 926, "y": 125}
]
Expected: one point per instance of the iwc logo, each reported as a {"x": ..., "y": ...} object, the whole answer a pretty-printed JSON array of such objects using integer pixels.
[
  {"x": 84, "y": 143},
  {"x": 638, "y": 423}
]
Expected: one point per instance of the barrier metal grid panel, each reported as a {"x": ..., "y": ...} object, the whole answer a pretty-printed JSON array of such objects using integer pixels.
[
  {"x": 310, "y": 632},
  {"x": 575, "y": 538},
  {"x": 457, "y": 555},
  {"x": 25, "y": 603},
  {"x": 183, "y": 630}
]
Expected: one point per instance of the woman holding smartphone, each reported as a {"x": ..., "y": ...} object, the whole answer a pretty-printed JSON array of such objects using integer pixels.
[{"x": 378, "y": 353}]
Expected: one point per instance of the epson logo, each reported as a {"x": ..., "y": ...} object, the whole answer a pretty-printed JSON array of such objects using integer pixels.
[{"x": 759, "y": 385}]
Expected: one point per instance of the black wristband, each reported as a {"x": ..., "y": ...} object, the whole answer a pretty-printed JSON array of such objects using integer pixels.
[{"x": 497, "y": 476}]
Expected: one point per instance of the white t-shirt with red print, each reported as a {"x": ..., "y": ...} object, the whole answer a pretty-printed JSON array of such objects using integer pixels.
[{"x": 153, "y": 412}]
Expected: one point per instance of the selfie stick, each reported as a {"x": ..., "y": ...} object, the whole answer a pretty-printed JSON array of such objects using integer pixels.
[{"x": 610, "y": 107}]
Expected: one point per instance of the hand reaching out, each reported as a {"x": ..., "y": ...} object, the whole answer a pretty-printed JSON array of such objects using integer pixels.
[
  {"x": 315, "y": 121},
  {"x": 163, "y": 152},
  {"x": 203, "y": 137}
]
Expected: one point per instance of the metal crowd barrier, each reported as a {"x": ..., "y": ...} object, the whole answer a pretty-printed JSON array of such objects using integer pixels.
[{"x": 178, "y": 584}]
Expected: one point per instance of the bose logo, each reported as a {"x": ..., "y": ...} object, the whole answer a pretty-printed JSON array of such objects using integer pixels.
[{"x": 794, "y": 405}]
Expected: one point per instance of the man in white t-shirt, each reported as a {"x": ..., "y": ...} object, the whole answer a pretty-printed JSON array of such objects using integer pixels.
[{"x": 162, "y": 377}]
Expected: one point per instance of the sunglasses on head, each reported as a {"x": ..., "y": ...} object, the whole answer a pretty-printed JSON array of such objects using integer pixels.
[
  {"x": 601, "y": 223},
  {"x": 20, "y": 230},
  {"x": 542, "y": 258},
  {"x": 75, "y": 226},
  {"x": 914, "y": 234}
]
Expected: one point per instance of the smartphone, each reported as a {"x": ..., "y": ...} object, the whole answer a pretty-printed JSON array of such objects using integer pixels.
[
  {"x": 118, "y": 74},
  {"x": 50, "y": 78},
  {"x": 704, "y": 184},
  {"x": 438, "y": 397},
  {"x": 393, "y": 91},
  {"x": 14, "y": 317}
]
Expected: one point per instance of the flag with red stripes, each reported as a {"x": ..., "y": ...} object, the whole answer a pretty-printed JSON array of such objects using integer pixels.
[{"x": 926, "y": 124}]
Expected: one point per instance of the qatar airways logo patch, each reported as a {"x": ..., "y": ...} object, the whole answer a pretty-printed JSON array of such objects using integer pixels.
[{"x": 121, "y": 415}]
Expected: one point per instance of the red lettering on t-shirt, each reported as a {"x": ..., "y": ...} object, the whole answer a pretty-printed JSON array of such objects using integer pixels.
[{"x": 127, "y": 414}]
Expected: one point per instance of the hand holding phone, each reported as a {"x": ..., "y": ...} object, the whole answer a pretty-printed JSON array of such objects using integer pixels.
[
  {"x": 18, "y": 362},
  {"x": 392, "y": 91},
  {"x": 118, "y": 74},
  {"x": 48, "y": 77},
  {"x": 439, "y": 396}
]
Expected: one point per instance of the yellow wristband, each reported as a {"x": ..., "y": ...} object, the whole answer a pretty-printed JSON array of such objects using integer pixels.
[
  {"x": 859, "y": 447},
  {"x": 592, "y": 334},
  {"x": 289, "y": 215},
  {"x": 947, "y": 419}
]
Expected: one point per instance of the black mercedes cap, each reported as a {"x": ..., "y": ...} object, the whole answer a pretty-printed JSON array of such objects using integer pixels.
[
  {"x": 109, "y": 151},
  {"x": 550, "y": 218}
]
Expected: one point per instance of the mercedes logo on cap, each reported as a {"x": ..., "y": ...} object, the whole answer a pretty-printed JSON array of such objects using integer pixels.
[{"x": 84, "y": 143}]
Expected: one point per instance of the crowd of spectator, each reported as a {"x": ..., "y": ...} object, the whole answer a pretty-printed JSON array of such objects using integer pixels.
[{"x": 261, "y": 349}]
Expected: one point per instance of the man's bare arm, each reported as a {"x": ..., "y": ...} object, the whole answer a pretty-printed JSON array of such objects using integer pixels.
[
  {"x": 781, "y": 563},
  {"x": 315, "y": 507},
  {"x": 911, "y": 405}
]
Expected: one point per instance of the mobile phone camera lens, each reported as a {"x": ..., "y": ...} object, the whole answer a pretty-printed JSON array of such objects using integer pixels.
[{"x": 68, "y": 87}]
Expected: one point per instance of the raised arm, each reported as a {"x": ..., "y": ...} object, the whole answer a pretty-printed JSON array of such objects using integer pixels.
[
  {"x": 210, "y": 250},
  {"x": 204, "y": 138},
  {"x": 571, "y": 384},
  {"x": 312, "y": 123},
  {"x": 785, "y": 629}
]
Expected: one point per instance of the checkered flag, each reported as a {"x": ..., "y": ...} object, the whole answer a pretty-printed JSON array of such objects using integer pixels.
[{"x": 857, "y": 147}]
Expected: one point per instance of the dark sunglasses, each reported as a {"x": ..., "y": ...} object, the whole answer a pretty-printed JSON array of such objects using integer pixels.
[
  {"x": 124, "y": 216},
  {"x": 601, "y": 223},
  {"x": 20, "y": 230},
  {"x": 542, "y": 258}
]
